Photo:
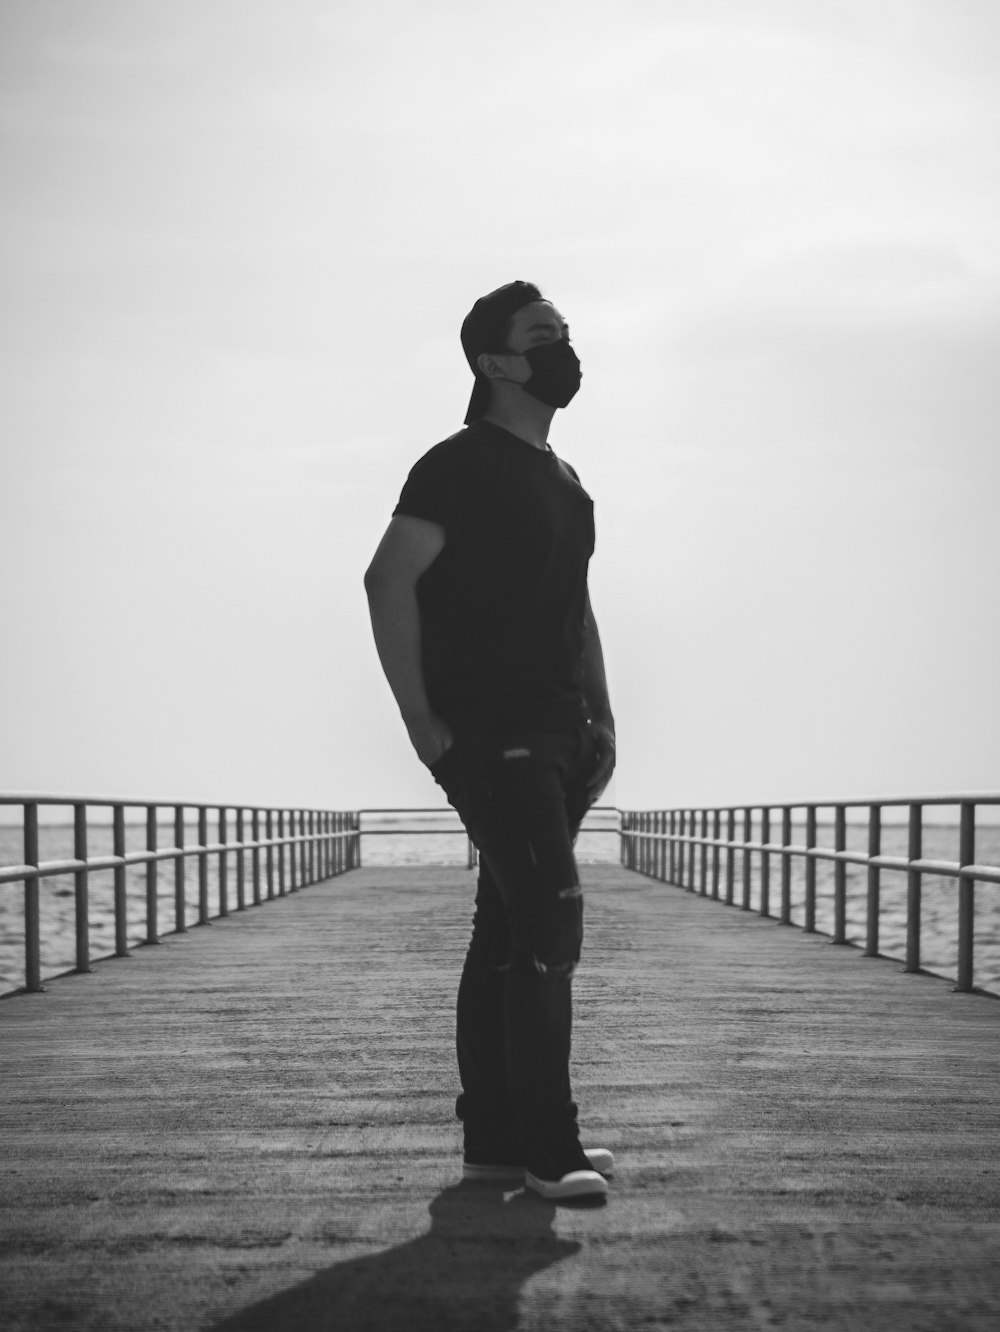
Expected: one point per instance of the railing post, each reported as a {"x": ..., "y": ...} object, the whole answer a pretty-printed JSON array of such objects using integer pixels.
[
  {"x": 297, "y": 865},
  {"x": 152, "y": 905},
  {"x": 810, "y": 920},
  {"x": 180, "y": 904},
  {"x": 255, "y": 854},
  {"x": 121, "y": 904},
  {"x": 32, "y": 922},
  {"x": 203, "y": 865},
  {"x": 765, "y": 861},
  {"x": 81, "y": 887},
  {"x": 786, "y": 866},
  {"x": 680, "y": 859},
  {"x": 730, "y": 855},
  {"x": 874, "y": 880},
  {"x": 281, "y": 853},
  {"x": 241, "y": 883},
  {"x": 223, "y": 864},
  {"x": 914, "y": 882},
  {"x": 716, "y": 825},
  {"x": 289, "y": 832},
  {"x": 270, "y": 855},
  {"x": 747, "y": 838},
  {"x": 839, "y": 876},
  {"x": 342, "y": 848},
  {"x": 703, "y": 858},
  {"x": 296, "y": 849},
  {"x": 966, "y": 895}
]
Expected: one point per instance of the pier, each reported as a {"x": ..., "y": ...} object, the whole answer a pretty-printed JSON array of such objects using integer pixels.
[{"x": 251, "y": 1126}]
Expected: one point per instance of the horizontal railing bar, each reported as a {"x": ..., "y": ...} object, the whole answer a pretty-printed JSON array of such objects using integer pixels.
[
  {"x": 941, "y": 868},
  {"x": 981, "y": 873},
  {"x": 806, "y": 805},
  {"x": 960, "y": 798},
  {"x": 446, "y": 809},
  {"x": 14, "y": 873},
  {"x": 95, "y": 864},
  {"x": 445, "y": 832},
  {"x": 31, "y": 799}
]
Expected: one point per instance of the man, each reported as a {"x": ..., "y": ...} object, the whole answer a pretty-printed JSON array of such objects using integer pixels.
[{"x": 482, "y": 620}]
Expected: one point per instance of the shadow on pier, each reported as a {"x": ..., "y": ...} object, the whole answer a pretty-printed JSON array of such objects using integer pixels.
[
  {"x": 466, "y": 1273},
  {"x": 251, "y": 1126}
]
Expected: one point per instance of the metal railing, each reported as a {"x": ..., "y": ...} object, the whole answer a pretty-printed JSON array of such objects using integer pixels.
[
  {"x": 287, "y": 849},
  {"x": 686, "y": 847},
  {"x": 418, "y": 830},
  {"x": 423, "y": 830}
]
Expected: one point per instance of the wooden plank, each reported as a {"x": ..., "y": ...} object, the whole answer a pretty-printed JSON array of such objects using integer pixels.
[{"x": 252, "y": 1126}]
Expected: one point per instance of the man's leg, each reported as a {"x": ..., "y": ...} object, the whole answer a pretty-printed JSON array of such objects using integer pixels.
[
  {"x": 513, "y": 801},
  {"x": 484, "y": 1106},
  {"x": 517, "y": 817}
]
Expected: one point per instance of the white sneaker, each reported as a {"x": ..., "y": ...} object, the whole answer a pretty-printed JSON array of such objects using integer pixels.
[
  {"x": 489, "y": 1172},
  {"x": 575, "y": 1184},
  {"x": 567, "y": 1171}
]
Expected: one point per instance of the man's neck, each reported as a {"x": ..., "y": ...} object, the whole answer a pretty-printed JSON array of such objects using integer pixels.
[{"x": 521, "y": 415}]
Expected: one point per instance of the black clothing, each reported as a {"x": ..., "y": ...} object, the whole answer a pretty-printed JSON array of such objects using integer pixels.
[
  {"x": 503, "y": 631},
  {"x": 522, "y": 803},
  {"x": 503, "y": 607}
]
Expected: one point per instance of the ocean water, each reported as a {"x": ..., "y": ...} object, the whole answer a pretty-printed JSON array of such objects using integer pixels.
[{"x": 393, "y": 839}]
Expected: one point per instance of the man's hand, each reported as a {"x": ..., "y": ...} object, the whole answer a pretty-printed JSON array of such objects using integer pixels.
[
  {"x": 604, "y": 763},
  {"x": 430, "y": 736}
]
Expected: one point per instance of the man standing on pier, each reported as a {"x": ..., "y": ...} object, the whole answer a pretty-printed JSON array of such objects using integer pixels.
[{"x": 482, "y": 620}]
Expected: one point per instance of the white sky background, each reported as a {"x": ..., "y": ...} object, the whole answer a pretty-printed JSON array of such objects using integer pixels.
[{"x": 239, "y": 241}]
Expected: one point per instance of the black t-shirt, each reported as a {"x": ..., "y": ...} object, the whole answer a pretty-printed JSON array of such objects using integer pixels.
[{"x": 503, "y": 607}]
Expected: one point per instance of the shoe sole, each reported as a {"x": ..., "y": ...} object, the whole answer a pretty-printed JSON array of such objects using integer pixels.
[
  {"x": 600, "y": 1160},
  {"x": 577, "y": 1184}
]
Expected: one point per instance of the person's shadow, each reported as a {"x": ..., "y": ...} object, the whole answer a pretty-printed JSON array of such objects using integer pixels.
[{"x": 464, "y": 1274}]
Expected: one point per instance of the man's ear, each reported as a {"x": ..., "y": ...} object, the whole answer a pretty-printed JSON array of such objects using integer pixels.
[{"x": 490, "y": 366}]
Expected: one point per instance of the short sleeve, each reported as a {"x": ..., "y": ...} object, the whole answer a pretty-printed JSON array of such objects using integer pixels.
[{"x": 439, "y": 488}]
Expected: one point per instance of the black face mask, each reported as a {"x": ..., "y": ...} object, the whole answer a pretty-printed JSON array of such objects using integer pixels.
[{"x": 555, "y": 372}]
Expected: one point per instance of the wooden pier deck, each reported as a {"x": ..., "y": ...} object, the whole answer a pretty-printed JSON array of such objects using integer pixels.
[{"x": 251, "y": 1127}]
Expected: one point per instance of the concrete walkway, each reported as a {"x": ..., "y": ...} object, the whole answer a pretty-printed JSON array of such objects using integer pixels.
[{"x": 251, "y": 1127}]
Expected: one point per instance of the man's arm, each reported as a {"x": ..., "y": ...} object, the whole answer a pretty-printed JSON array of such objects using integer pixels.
[
  {"x": 595, "y": 680},
  {"x": 595, "y": 690},
  {"x": 410, "y": 546}
]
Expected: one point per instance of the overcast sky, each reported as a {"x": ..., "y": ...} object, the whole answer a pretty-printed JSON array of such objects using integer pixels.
[{"x": 240, "y": 237}]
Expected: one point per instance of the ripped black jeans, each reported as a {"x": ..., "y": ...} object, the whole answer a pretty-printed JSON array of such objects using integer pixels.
[{"x": 521, "y": 799}]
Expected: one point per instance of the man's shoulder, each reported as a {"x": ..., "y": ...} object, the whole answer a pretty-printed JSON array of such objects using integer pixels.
[
  {"x": 464, "y": 450},
  {"x": 471, "y": 439}
]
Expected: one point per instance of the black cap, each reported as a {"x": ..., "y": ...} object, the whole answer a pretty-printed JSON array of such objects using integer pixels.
[{"x": 481, "y": 332}]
